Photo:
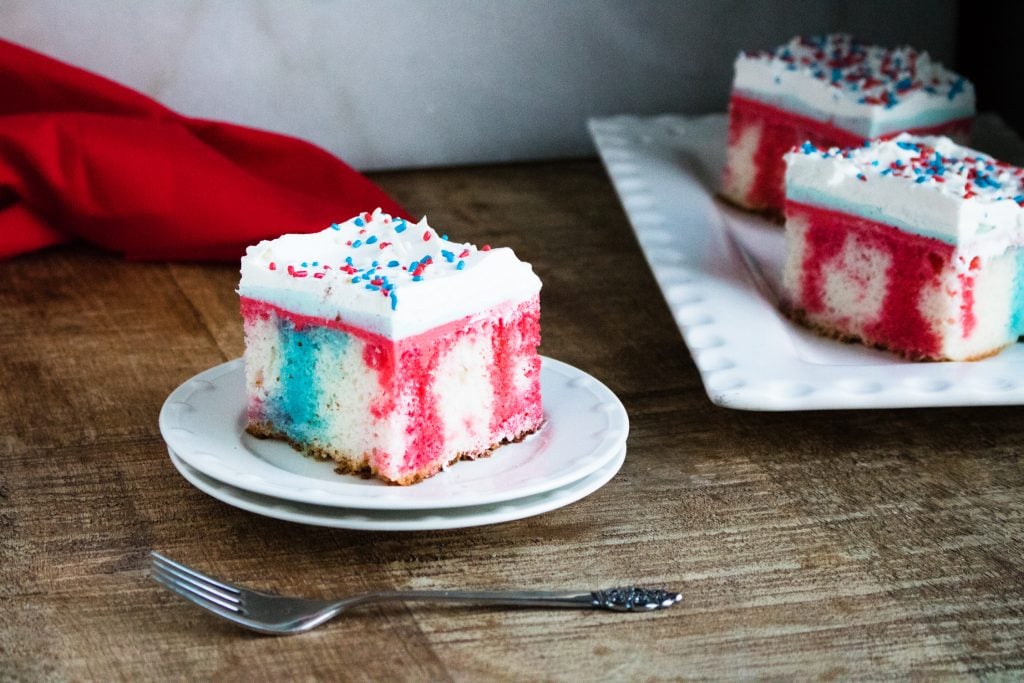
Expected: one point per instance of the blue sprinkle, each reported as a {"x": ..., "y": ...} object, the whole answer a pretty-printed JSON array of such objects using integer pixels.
[
  {"x": 316, "y": 263},
  {"x": 335, "y": 226},
  {"x": 355, "y": 280},
  {"x": 448, "y": 256},
  {"x": 348, "y": 260},
  {"x": 414, "y": 265},
  {"x": 400, "y": 226},
  {"x": 921, "y": 179},
  {"x": 956, "y": 88},
  {"x": 371, "y": 239},
  {"x": 1019, "y": 198},
  {"x": 444, "y": 237},
  {"x": 359, "y": 221},
  {"x": 304, "y": 264},
  {"x": 808, "y": 148},
  {"x": 908, "y": 146},
  {"x": 357, "y": 244},
  {"x": 394, "y": 300},
  {"x": 462, "y": 264},
  {"x": 392, "y": 264},
  {"x": 417, "y": 278},
  {"x": 887, "y": 171}
]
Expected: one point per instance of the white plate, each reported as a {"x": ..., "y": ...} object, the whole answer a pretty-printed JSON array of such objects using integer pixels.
[
  {"x": 402, "y": 520},
  {"x": 203, "y": 422},
  {"x": 718, "y": 267}
]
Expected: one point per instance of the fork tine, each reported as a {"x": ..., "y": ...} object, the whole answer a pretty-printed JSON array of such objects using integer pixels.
[
  {"x": 212, "y": 588},
  {"x": 197, "y": 599},
  {"x": 168, "y": 577},
  {"x": 188, "y": 571}
]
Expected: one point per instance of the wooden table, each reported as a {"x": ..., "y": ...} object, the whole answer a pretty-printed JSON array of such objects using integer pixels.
[{"x": 808, "y": 545}]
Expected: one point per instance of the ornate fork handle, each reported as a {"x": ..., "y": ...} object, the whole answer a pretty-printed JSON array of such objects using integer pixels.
[{"x": 616, "y": 599}]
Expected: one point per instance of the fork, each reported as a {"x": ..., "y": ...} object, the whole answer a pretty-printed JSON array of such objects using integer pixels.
[{"x": 281, "y": 615}]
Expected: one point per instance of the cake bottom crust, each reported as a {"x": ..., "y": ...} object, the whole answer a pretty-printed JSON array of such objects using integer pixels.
[
  {"x": 361, "y": 465},
  {"x": 799, "y": 316}
]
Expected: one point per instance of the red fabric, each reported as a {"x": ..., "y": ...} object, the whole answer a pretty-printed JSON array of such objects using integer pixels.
[{"x": 84, "y": 157}]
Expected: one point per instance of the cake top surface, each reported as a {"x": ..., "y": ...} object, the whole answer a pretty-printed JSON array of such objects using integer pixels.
[
  {"x": 388, "y": 274},
  {"x": 926, "y": 184},
  {"x": 868, "y": 74},
  {"x": 838, "y": 76},
  {"x": 937, "y": 163}
]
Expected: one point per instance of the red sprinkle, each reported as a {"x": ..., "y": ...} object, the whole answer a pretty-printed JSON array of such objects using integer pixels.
[
  {"x": 464, "y": 254},
  {"x": 426, "y": 236},
  {"x": 273, "y": 266},
  {"x": 385, "y": 244},
  {"x": 486, "y": 247}
]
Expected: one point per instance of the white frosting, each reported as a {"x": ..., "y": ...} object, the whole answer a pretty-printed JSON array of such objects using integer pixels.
[
  {"x": 864, "y": 89},
  {"x": 925, "y": 185},
  {"x": 369, "y": 272}
]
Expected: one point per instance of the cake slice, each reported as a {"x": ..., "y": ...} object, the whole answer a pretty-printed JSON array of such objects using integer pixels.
[
  {"x": 835, "y": 92},
  {"x": 911, "y": 244},
  {"x": 388, "y": 348}
]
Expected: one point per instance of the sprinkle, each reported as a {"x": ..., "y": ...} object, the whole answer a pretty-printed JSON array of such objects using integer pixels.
[
  {"x": 385, "y": 245},
  {"x": 400, "y": 226},
  {"x": 462, "y": 264},
  {"x": 486, "y": 247},
  {"x": 426, "y": 236},
  {"x": 392, "y": 264},
  {"x": 358, "y": 221},
  {"x": 335, "y": 226},
  {"x": 448, "y": 256},
  {"x": 273, "y": 266},
  {"x": 371, "y": 239},
  {"x": 464, "y": 254},
  {"x": 357, "y": 244}
]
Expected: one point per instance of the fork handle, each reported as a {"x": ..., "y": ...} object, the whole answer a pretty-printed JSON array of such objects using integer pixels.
[{"x": 615, "y": 599}]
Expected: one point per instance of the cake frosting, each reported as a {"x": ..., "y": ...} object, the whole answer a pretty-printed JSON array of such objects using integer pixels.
[
  {"x": 831, "y": 91},
  {"x": 387, "y": 275},
  {"x": 912, "y": 243},
  {"x": 926, "y": 185},
  {"x": 866, "y": 90},
  {"x": 389, "y": 348}
]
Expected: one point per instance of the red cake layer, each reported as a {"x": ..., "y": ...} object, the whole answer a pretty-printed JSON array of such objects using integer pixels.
[
  {"x": 782, "y": 130},
  {"x": 916, "y": 263}
]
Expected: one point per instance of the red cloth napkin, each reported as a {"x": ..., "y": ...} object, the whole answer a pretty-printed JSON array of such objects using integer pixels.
[{"x": 84, "y": 157}]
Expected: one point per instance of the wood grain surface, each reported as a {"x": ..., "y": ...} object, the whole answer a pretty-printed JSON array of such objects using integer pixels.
[{"x": 829, "y": 545}]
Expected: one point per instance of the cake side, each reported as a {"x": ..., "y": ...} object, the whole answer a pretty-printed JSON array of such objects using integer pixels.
[
  {"x": 392, "y": 361},
  {"x": 832, "y": 91},
  {"x": 910, "y": 244}
]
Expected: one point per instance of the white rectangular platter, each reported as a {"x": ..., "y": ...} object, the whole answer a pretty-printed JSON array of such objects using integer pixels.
[{"x": 718, "y": 269}]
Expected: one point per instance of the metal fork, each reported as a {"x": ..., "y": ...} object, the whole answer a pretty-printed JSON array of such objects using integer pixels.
[{"x": 280, "y": 615}]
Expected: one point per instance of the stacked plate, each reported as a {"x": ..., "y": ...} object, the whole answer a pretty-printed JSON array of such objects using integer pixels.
[{"x": 580, "y": 447}]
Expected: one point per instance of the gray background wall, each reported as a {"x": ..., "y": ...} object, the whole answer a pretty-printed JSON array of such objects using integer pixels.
[{"x": 406, "y": 83}]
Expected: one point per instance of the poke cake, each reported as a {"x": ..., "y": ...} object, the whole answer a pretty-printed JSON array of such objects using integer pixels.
[
  {"x": 912, "y": 244},
  {"x": 835, "y": 92},
  {"x": 388, "y": 348}
]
